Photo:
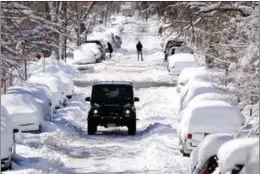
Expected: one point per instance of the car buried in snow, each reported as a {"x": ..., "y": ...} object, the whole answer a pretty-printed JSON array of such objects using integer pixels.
[{"x": 112, "y": 105}]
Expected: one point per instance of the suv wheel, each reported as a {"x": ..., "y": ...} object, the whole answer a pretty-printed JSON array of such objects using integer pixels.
[
  {"x": 92, "y": 128},
  {"x": 132, "y": 128}
]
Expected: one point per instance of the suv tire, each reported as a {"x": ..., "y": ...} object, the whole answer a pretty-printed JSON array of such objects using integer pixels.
[
  {"x": 92, "y": 128},
  {"x": 132, "y": 128}
]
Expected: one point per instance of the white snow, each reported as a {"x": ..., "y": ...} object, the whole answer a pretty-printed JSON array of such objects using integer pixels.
[
  {"x": 180, "y": 61},
  {"x": 193, "y": 89},
  {"x": 210, "y": 146},
  {"x": 215, "y": 96},
  {"x": 86, "y": 53},
  {"x": 210, "y": 117},
  {"x": 252, "y": 161},
  {"x": 185, "y": 75},
  {"x": 234, "y": 152},
  {"x": 24, "y": 110},
  {"x": 53, "y": 82},
  {"x": 38, "y": 93},
  {"x": 6, "y": 134}
]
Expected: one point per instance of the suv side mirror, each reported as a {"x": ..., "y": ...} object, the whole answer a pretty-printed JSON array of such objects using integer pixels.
[
  {"x": 87, "y": 99},
  {"x": 15, "y": 131},
  {"x": 136, "y": 99}
]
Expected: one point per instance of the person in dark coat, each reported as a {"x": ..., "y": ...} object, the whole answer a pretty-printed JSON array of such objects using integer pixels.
[
  {"x": 110, "y": 49},
  {"x": 139, "y": 48}
]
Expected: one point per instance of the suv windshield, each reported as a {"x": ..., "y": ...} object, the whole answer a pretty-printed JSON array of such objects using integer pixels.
[{"x": 112, "y": 94}]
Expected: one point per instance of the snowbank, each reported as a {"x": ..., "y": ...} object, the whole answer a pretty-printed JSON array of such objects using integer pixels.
[
  {"x": 234, "y": 152},
  {"x": 24, "y": 110}
]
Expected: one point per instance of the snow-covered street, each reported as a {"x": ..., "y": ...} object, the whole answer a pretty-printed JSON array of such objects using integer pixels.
[
  {"x": 66, "y": 147},
  {"x": 139, "y": 87},
  {"x": 155, "y": 147}
]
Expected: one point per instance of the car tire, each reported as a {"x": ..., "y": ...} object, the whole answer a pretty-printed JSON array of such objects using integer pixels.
[
  {"x": 132, "y": 128},
  {"x": 92, "y": 128}
]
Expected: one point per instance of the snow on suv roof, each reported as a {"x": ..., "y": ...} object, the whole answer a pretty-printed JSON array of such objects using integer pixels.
[{"x": 113, "y": 83}]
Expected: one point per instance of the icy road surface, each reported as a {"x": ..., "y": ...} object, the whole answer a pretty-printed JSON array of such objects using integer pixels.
[
  {"x": 65, "y": 147},
  {"x": 154, "y": 149}
]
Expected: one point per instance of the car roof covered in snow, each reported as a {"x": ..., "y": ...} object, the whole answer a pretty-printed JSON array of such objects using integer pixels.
[
  {"x": 215, "y": 96},
  {"x": 182, "y": 57},
  {"x": 210, "y": 146},
  {"x": 234, "y": 152},
  {"x": 113, "y": 83},
  {"x": 188, "y": 72},
  {"x": 207, "y": 116},
  {"x": 19, "y": 103}
]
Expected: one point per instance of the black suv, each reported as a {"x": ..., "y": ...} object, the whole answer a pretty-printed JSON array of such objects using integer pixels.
[{"x": 112, "y": 105}]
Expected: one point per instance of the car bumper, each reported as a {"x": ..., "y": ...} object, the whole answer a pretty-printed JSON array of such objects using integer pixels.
[
  {"x": 5, "y": 162},
  {"x": 30, "y": 127},
  {"x": 117, "y": 120},
  {"x": 190, "y": 146}
]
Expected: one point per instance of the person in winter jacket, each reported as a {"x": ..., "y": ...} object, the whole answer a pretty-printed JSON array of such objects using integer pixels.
[
  {"x": 139, "y": 48},
  {"x": 110, "y": 49}
]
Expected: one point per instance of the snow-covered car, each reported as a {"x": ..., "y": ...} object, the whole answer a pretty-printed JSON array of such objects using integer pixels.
[
  {"x": 55, "y": 85},
  {"x": 170, "y": 43},
  {"x": 7, "y": 140},
  {"x": 206, "y": 117},
  {"x": 194, "y": 88},
  {"x": 101, "y": 45},
  {"x": 185, "y": 75},
  {"x": 252, "y": 161},
  {"x": 38, "y": 94},
  {"x": 24, "y": 110},
  {"x": 232, "y": 155},
  {"x": 87, "y": 53},
  {"x": 177, "y": 62},
  {"x": 216, "y": 96},
  {"x": 205, "y": 160}
]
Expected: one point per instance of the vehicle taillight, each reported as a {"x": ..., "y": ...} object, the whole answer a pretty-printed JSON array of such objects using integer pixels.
[
  {"x": 205, "y": 171},
  {"x": 189, "y": 136}
]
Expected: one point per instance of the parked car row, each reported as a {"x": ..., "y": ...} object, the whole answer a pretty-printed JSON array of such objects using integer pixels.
[
  {"x": 94, "y": 49},
  {"x": 25, "y": 107},
  {"x": 209, "y": 122}
]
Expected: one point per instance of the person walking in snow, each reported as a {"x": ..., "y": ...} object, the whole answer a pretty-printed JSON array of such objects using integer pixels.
[
  {"x": 139, "y": 48},
  {"x": 110, "y": 49}
]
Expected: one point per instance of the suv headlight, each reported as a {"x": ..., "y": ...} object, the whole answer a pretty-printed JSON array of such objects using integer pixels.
[
  {"x": 95, "y": 111},
  {"x": 127, "y": 112}
]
